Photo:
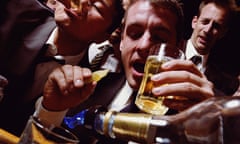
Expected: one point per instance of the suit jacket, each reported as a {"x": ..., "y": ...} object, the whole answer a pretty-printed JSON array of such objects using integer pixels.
[
  {"x": 104, "y": 94},
  {"x": 224, "y": 83},
  {"x": 24, "y": 29}
]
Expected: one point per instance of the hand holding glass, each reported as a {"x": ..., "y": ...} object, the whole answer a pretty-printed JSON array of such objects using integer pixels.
[{"x": 158, "y": 55}]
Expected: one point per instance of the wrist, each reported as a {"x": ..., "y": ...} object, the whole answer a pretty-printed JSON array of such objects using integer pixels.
[{"x": 48, "y": 116}]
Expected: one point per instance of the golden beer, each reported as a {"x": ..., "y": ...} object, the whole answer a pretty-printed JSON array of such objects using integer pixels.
[
  {"x": 76, "y": 5},
  {"x": 145, "y": 99}
]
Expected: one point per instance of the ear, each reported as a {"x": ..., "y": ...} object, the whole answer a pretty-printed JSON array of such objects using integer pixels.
[
  {"x": 194, "y": 22},
  {"x": 121, "y": 46}
]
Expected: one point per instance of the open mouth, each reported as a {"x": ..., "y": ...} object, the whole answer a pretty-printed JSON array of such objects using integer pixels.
[
  {"x": 139, "y": 67},
  {"x": 203, "y": 39}
]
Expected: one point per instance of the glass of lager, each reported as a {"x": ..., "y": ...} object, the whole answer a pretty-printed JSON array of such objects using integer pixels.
[
  {"x": 158, "y": 55},
  {"x": 81, "y": 7}
]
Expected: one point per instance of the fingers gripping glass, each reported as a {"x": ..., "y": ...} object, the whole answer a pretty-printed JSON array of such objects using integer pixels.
[{"x": 158, "y": 55}]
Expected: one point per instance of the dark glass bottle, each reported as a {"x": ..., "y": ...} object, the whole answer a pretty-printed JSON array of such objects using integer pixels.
[{"x": 204, "y": 123}]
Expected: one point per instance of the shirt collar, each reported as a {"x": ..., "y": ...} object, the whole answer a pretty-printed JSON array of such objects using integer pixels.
[
  {"x": 191, "y": 51},
  {"x": 122, "y": 98},
  {"x": 52, "y": 49}
]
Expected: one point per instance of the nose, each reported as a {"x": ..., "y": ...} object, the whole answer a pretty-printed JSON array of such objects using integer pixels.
[
  {"x": 208, "y": 27},
  {"x": 144, "y": 44}
]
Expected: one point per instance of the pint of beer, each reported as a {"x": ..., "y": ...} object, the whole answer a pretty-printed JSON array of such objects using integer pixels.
[{"x": 158, "y": 55}]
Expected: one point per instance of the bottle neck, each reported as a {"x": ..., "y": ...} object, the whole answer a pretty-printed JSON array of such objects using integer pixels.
[{"x": 136, "y": 127}]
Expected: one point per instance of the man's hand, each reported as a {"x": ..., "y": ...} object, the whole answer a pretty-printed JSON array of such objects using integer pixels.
[
  {"x": 67, "y": 87},
  {"x": 184, "y": 80}
]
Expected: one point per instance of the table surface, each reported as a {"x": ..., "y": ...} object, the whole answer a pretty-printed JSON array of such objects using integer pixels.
[{"x": 7, "y": 138}]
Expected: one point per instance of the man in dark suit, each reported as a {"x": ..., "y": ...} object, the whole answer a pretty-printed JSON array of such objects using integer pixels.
[
  {"x": 209, "y": 26},
  {"x": 146, "y": 23},
  {"x": 32, "y": 33}
]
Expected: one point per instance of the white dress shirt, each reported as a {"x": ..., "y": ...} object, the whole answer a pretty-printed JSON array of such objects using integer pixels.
[
  {"x": 111, "y": 63},
  {"x": 191, "y": 51},
  {"x": 122, "y": 99}
]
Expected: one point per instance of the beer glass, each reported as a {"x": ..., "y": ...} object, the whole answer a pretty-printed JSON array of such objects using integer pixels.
[
  {"x": 76, "y": 5},
  {"x": 41, "y": 133},
  {"x": 158, "y": 55}
]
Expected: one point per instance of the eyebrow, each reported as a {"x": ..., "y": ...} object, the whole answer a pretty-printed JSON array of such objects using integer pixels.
[{"x": 161, "y": 28}]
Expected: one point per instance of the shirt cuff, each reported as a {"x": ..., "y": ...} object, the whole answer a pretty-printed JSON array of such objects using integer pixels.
[{"x": 51, "y": 117}]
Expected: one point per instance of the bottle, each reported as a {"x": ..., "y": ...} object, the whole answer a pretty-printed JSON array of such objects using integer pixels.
[
  {"x": 209, "y": 122},
  {"x": 138, "y": 127}
]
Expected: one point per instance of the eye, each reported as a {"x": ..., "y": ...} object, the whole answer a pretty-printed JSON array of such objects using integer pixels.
[
  {"x": 134, "y": 32},
  {"x": 135, "y": 35},
  {"x": 158, "y": 38},
  {"x": 218, "y": 26},
  {"x": 204, "y": 21},
  {"x": 96, "y": 5},
  {"x": 102, "y": 6}
]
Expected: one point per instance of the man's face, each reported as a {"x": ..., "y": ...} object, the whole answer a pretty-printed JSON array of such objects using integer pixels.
[
  {"x": 208, "y": 28},
  {"x": 144, "y": 27},
  {"x": 91, "y": 24}
]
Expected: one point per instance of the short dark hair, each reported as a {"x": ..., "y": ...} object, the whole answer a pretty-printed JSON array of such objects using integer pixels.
[
  {"x": 229, "y": 5},
  {"x": 117, "y": 17},
  {"x": 172, "y": 5}
]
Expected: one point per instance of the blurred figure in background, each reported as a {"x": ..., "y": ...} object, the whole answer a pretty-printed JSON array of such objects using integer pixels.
[
  {"x": 36, "y": 38},
  {"x": 209, "y": 26}
]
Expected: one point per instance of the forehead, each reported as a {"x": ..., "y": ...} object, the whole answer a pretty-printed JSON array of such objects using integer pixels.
[
  {"x": 214, "y": 12},
  {"x": 144, "y": 12}
]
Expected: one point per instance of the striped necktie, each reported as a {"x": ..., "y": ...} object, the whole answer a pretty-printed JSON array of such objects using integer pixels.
[
  {"x": 197, "y": 60},
  {"x": 96, "y": 62}
]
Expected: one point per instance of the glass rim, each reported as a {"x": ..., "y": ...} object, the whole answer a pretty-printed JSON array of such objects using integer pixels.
[
  {"x": 48, "y": 128},
  {"x": 157, "y": 49}
]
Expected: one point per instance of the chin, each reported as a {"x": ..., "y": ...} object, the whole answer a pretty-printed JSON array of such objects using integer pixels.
[{"x": 134, "y": 84}]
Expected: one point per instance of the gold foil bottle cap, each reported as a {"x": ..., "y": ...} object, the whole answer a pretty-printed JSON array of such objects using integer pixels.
[{"x": 127, "y": 126}]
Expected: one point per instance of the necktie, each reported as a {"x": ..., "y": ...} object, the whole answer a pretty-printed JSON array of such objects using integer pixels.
[
  {"x": 197, "y": 60},
  {"x": 96, "y": 62}
]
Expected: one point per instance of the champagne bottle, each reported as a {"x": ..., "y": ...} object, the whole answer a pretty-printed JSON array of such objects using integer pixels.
[{"x": 208, "y": 122}]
